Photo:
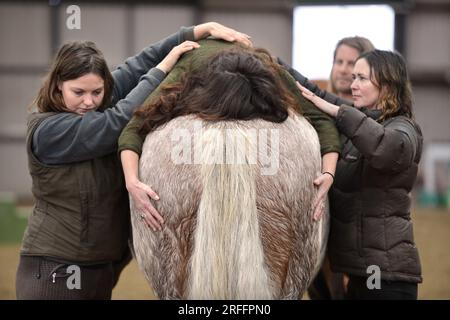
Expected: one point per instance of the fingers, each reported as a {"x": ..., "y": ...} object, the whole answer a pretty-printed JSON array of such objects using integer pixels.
[
  {"x": 345, "y": 280},
  {"x": 145, "y": 207},
  {"x": 149, "y": 207},
  {"x": 305, "y": 92},
  {"x": 151, "y": 222},
  {"x": 187, "y": 46},
  {"x": 152, "y": 194},
  {"x": 243, "y": 39},
  {"x": 152, "y": 217},
  {"x": 319, "y": 210},
  {"x": 319, "y": 213},
  {"x": 171, "y": 59},
  {"x": 184, "y": 47},
  {"x": 318, "y": 201},
  {"x": 231, "y": 35},
  {"x": 302, "y": 88},
  {"x": 154, "y": 213}
]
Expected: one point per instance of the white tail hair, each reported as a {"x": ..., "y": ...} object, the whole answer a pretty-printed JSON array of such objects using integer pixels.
[{"x": 227, "y": 261}]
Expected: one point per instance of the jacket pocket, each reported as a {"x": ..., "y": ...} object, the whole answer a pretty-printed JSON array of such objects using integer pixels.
[{"x": 350, "y": 153}]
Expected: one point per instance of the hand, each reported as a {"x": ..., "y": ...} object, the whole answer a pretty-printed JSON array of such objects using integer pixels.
[
  {"x": 320, "y": 103},
  {"x": 171, "y": 59},
  {"x": 219, "y": 31},
  {"x": 140, "y": 193},
  {"x": 323, "y": 182},
  {"x": 345, "y": 280}
]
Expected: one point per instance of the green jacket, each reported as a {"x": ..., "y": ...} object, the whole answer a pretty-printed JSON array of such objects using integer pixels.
[{"x": 324, "y": 124}]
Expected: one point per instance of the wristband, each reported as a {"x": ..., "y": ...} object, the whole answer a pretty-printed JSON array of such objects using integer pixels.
[{"x": 326, "y": 172}]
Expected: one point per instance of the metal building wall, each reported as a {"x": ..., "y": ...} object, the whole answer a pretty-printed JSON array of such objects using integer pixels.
[{"x": 28, "y": 30}]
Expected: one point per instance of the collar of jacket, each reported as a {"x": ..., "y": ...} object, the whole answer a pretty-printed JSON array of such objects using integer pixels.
[{"x": 373, "y": 114}]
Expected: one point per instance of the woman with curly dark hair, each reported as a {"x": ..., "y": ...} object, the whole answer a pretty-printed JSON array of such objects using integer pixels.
[{"x": 234, "y": 228}]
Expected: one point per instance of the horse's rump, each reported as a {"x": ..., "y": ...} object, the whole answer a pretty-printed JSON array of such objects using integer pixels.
[{"x": 238, "y": 216}]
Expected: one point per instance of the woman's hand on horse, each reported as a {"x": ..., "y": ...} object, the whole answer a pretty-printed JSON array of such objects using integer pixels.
[
  {"x": 171, "y": 59},
  {"x": 320, "y": 103},
  {"x": 323, "y": 182},
  {"x": 219, "y": 31},
  {"x": 141, "y": 194}
]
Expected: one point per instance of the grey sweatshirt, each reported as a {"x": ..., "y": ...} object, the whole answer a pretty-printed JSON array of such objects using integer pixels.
[{"x": 69, "y": 137}]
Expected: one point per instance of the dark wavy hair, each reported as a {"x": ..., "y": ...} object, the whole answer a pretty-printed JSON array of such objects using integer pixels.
[
  {"x": 238, "y": 83},
  {"x": 73, "y": 60},
  {"x": 389, "y": 73}
]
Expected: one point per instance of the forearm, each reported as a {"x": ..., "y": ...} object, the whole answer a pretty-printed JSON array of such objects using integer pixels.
[
  {"x": 140, "y": 192},
  {"x": 67, "y": 137},
  {"x": 130, "y": 166},
  {"x": 203, "y": 30},
  {"x": 329, "y": 161}
]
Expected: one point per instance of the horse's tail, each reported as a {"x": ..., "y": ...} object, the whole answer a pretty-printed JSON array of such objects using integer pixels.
[{"x": 227, "y": 260}]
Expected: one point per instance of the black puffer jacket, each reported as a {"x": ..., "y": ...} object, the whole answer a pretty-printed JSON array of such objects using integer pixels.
[{"x": 370, "y": 201}]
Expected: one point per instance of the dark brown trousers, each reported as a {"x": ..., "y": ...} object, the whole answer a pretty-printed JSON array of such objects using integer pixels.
[{"x": 41, "y": 278}]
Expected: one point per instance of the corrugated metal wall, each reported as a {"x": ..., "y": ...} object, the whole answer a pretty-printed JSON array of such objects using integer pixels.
[{"x": 29, "y": 30}]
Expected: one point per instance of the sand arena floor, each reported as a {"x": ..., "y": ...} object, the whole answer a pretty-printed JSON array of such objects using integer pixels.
[{"x": 432, "y": 234}]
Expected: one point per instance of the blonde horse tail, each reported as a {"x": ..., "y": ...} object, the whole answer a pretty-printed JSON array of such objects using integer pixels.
[{"x": 227, "y": 260}]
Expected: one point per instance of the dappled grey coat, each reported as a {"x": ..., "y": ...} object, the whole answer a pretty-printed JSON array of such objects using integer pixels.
[{"x": 240, "y": 229}]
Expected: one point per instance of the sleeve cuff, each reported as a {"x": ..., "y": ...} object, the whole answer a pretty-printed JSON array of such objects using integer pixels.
[
  {"x": 131, "y": 147},
  {"x": 340, "y": 113},
  {"x": 329, "y": 149},
  {"x": 187, "y": 33}
]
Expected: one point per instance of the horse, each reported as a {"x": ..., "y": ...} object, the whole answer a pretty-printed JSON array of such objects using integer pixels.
[{"x": 236, "y": 196}]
